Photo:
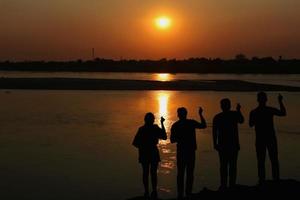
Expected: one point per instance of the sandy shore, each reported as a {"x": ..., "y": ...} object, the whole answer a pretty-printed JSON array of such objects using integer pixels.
[{"x": 112, "y": 84}]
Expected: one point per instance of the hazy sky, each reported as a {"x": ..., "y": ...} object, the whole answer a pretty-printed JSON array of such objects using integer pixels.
[{"x": 69, "y": 29}]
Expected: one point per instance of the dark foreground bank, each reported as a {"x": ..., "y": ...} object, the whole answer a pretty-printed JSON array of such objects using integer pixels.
[
  {"x": 112, "y": 84},
  {"x": 283, "y": 188}
]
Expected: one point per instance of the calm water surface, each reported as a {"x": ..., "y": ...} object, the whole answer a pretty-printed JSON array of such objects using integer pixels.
[{"x": 77, "y": 144}]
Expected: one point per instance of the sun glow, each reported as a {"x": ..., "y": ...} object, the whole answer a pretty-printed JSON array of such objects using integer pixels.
[
  {"x": 163, "y": 77},
  {"x": 163, "y": 22},
  {"x": 163, "y": 104}
]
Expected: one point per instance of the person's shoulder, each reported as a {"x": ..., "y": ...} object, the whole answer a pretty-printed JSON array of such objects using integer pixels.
[
  {"x": 270, "y": 108},
  {"x": 155, "y": 126},
  {"x": 267, "y": 109},
  {"x": 254, "y": 110},
  {"x": 175, "y": 124},
  {"x": 218, "y": 116},
  {"x": 141, "y": 128},
  {"x": 234, "y": 112},
  {"x": 191, "y": 121}
]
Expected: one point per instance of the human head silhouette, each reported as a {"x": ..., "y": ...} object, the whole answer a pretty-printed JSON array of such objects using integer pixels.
[
  {"x": 182, "y": 113},
  {"x": 225, "y": 104},
  {"x": 149, "y": 118},
  {"x": 262, "y": 98}
]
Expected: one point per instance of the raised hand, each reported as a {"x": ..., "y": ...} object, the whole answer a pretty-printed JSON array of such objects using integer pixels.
[
  {"x": 200, "y": 111},
  {"x": 162, "y": 120}
]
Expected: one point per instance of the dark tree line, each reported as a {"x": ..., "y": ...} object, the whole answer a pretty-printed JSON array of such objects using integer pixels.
[{"x": 240, "y": 64}]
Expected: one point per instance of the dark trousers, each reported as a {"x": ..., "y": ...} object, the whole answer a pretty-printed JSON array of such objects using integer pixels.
[
  {"x": 228, "y": 162},
  {"x": 185, "y": 165},
  {"x": 261, "y": 148},
  {"x": 152, "y": 168}
]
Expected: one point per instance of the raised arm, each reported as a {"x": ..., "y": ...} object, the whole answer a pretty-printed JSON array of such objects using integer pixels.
[
  {"x": 202, "y": 123},
  {"x": 282, "y": 110},
  {"x": 164, "y": 133},
  {"x": 240, "y": 115}
]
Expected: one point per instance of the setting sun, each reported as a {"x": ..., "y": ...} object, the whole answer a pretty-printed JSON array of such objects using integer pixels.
[{"x": 163, "y": 22}]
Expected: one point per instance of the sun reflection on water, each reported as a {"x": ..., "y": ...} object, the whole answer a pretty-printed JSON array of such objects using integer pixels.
[
  {"x": 163, "y": 100},
  {"x": 168, "y": 155},
  {"x": 163, "y": 77}
]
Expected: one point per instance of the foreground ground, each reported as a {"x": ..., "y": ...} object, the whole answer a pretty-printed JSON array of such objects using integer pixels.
[{"x": 284, "y": 188}]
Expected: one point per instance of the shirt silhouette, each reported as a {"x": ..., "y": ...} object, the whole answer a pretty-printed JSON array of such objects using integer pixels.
[
  {"x": 184, "y": 134},
  {"x": 146, "y": 141},
  {"x": 226, "y": 141},
  {"x": 262, "y": 118}
]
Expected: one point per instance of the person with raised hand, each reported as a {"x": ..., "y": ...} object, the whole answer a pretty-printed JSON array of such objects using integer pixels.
[
  {"x": 262, "y": 118},
  {"x": 183, "y": 132},
  {"x": 146, "y": 141}
]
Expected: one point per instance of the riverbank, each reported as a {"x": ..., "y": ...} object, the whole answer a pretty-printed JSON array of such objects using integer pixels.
[
  {"x": 269, "y": 189},
  {"x": 116, "y": 84}
]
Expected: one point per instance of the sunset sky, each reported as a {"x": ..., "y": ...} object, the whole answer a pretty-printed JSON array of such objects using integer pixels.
[{"x": 69, "y": 29}]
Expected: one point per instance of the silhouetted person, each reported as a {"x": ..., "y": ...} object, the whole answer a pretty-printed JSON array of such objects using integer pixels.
[
  {"x": 226, "y": 141},
  {"x": 262, "y": 118},
  {"x": 184, "y": 134},
  {"x": 146, "y": 141}
]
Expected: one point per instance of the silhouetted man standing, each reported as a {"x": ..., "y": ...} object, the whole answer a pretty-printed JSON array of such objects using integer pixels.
[
  {"x": 262, "y": 119},
  {"x": 184, "y": 134},
  {"x": 226, "y": 141}
]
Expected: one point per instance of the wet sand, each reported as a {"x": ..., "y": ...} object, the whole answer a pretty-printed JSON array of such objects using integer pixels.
[{"x": 115, "y": 84}]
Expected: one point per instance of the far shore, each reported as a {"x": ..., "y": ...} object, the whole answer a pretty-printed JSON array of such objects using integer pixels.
[
  {"x": 115, "y": 84},
  {"x": 238, "y": 65}
]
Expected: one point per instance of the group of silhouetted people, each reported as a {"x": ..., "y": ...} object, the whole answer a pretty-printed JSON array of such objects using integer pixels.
[{"x": 225, "y": 141}]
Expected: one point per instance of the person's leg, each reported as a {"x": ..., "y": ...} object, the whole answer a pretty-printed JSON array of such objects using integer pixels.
[
  {"x": 153, "y": 171},
  {"x": 146, "y": 167},
  {"x": 273, "y": 154},
  {"x": 180, "y": 175},
  {"x": 233, "y": 168},
  {"x": 261, "y": 157},
  {"x": 190, "y": 173},
  {"x": 223, "y": 169}
]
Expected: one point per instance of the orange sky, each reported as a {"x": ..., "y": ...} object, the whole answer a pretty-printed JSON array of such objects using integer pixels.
[{"x": 69, "y": 29}]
